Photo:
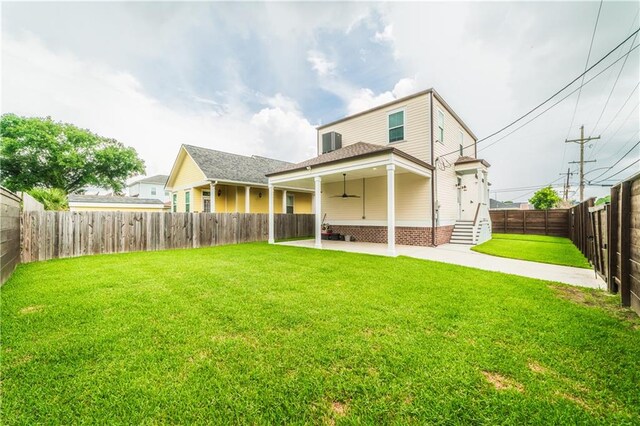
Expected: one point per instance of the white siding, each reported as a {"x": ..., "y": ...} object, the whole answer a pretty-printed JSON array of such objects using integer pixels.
[
  {"x": 372, "y": 127},
  {"x": 446, "y": 179}
]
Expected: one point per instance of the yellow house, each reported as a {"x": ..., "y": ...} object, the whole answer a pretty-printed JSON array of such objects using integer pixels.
[
  {"x": 105, "y": 203},
  {"x": 236, "y": 183}
]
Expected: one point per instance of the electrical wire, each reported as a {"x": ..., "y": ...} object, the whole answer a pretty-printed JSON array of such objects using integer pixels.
[
  {"x": 617, "y": 173},
  {"x": 617, "y": 162},
  {"x": 593, "y": 36},
  {"x": 555, "y": 94}
]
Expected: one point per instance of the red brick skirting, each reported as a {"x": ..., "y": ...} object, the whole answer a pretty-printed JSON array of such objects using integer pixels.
[{"x": 407, "y": 235}]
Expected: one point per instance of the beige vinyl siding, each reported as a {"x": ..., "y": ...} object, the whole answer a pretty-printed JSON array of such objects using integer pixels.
[
  {"x": 446, "y": 179},
  {"x": 372, "y": 128},
  {"x": 412, "y": 200}
]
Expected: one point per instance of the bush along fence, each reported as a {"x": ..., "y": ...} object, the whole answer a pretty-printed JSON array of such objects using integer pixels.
[
  {"x": 53, "y": 234},
  {"x": 539, "y": 222},
  {"x": 609, "y": 236}
]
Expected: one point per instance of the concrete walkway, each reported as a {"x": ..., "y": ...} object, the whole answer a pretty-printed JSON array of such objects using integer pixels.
[{"x": 464, "y": 256}]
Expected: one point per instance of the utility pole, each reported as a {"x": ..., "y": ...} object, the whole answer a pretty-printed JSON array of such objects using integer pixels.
[
  {"x": 565, "y": 194},
  {"x": 582, "y": 141}
]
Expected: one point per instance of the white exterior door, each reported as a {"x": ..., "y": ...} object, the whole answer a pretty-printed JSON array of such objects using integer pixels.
[{"x": 459, "y": 197}]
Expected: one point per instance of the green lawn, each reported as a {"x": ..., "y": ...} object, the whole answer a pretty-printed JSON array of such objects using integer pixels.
[
  {"x": 260, "y": 334},
  {"x": 537, "y": 248}
]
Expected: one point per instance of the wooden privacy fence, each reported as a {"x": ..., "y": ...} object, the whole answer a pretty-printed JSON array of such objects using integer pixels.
[
  {"x": 540, "y": 222},
  {"x": 51, "y": 234},
  {"x": 609, "y": 236},
  {"x": 9, "y": 233}
]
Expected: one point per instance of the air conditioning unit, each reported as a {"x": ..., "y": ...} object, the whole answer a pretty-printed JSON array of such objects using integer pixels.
[{"x": 331, "y": 141}]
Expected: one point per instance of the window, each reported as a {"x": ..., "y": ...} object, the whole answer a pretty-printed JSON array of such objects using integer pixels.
[
  {"x": 153, "y": 190},
  {"x": 461, "y": 143},
  {"x": 206, "y": 200},
  {"x": 290, "y": 203},
  {"x": 187, "y": 201},
  {"x": 440, "y": 126},
  {"x": 396, "y": 126},
  {"x": 166, "y": 193},
  {"x": 175, "y": 203}
]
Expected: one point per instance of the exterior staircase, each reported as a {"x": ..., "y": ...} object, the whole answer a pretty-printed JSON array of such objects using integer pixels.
[{"x": 462, "y": 232}]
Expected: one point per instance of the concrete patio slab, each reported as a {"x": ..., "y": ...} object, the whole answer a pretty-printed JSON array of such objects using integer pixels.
[{"x": 464, "y": 256}]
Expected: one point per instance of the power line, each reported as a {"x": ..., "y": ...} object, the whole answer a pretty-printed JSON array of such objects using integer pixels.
[
  {"x": 622, "y": 107},
  {"x": 618, "y": 129},
  {"x": 556, "y": 93},
  {"x": 553, "y": 105},
  {"x": 593, "y": 36},
  {"x": 617, "y": 162},
  {"x": 617, "y": 173}
]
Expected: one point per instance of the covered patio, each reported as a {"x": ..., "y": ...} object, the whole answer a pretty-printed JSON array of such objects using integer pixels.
[{"x": 357, "y": 188}]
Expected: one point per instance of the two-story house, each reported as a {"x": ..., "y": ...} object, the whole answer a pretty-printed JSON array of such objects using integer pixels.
[
  {"x": 150, "y": 187},
  {"x": 404, "y": 172},
  {"x": 207, "y": 180}
]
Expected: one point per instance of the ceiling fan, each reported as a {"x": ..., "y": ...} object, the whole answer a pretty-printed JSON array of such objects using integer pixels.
[{"x": 344, "y": 189}]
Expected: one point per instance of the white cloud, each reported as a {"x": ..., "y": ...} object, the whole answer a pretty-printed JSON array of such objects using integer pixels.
[
  {"x": 386, "y": 36},
  {"x": 366, "y": 98},
  {"x": 39, "y": 82},
  {"x": 320, "y": 63}
]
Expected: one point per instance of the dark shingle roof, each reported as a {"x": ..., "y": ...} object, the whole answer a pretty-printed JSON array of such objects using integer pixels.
[
  {"x": 107, "y": 199},
  {"x": 218, "y": 165},
  {"x": 465, "y": 159},
  {"x": 159, "y": 179},
  {"x": 360, "y": 149}
]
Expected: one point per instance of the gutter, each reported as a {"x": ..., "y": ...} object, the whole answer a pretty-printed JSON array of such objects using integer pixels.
[{"x": 433, "y": 177}]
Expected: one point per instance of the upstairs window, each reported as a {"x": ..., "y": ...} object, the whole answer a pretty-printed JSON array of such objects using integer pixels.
[
  {"x": 461, "y": 143},
  {"x": 153, "y": 190},
  {"x": 396, "y": 126},
  {"x": 440, "y": 126},
  {"x": 187, "y": 201}
]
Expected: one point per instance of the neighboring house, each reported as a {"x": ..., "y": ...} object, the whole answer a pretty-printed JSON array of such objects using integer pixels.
[
  {"x": 150, "y": 187},
  {"x": 236, "y": 182},
  {"x": 411, "y": 171},
  {"x": 508, "y": 205},
  {"x": 78, "y": 203}
]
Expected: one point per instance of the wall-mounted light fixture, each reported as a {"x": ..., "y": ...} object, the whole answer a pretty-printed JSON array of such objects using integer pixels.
[
  {"x": 219, "y": 192},
  {"x": 260, "y": 194}
]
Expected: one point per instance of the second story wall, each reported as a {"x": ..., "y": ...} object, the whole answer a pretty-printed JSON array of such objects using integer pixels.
[{"x": 373, "y": 127}]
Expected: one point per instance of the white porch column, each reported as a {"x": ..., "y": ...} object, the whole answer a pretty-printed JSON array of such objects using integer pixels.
[
  {"x": 212, "y": 198},
  {"x": 318, "y": 210},
  {"x": 391, "y": 210},
  {"x": 247, "y": 199},
  {"x": 272, "y": 239},
  {"x": 284, "y": 201}
]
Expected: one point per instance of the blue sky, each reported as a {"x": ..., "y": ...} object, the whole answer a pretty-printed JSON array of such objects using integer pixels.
[{"x": 256, "y": 78}]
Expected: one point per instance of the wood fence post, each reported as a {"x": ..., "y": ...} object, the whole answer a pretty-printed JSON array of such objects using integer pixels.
[
  {"x": 625, "y": 243},
  {"x": 524, "y": 221},
  {"x": 504, "y": 222},
  {"x": 612, "y": 231},
  {"x": 546, "y": 222}
]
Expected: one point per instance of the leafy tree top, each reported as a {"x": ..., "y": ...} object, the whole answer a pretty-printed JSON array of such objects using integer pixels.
[
  {"x": 545, "y": 198},
  {"x": 39, "y": 152}
]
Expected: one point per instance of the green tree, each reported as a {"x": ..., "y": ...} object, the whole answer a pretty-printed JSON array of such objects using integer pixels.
[
  {"x": 51, "y": 198},
  {"x": 603, "y": 200},
  {"x": 545, "y": 198},
  {"x": 41, "y": 153}
]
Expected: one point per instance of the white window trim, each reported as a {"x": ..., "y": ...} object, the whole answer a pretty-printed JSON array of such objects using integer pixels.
[
  {"x": 461, "y": 141},
  {"x": 440, "y": 113},
  {"x": 185, "y": 201},
  {"x": 404, "y": 124},
  {"x": 293, "y": 202}
]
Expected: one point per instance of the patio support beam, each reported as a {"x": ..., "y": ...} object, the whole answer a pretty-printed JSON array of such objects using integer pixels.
[
  {"x": 318, "y": 210},
  {"x": 391, "y": 210},
  {"x": 247, "y": 199},
  {"x": 212, "y": 198},
  {"x": 272, "y": 239},
  {"x": 284, "y": 201}
]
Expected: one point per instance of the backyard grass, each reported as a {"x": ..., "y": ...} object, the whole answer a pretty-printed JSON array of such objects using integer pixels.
[
  {"x": 537, "y": 248},
  {"x": 260, "y": 334}
]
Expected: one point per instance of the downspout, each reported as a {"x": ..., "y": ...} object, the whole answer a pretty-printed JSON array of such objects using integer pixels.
[{"x": 433, "y": 177}]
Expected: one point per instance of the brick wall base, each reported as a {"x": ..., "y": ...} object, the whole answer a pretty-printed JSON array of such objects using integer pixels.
[{"x": 406, "y": 235}]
